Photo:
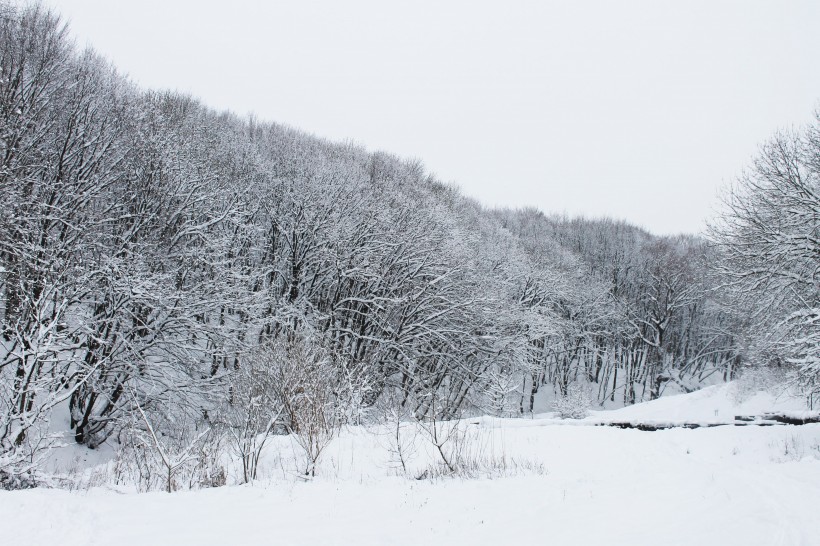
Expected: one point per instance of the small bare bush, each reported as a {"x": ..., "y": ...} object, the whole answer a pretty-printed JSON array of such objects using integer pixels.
[
  {"x": 466, "y": 453},
  {"x": 446, "y": 436},
  {"x": 161, "y": 451},
  {"x": 401, "y": 430},
  {"x": 254, "y": 407},
  {"x": 318, "y": 393}
]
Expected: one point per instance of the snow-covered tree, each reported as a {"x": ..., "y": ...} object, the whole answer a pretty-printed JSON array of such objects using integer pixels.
[{"x": 768, "y": 237}]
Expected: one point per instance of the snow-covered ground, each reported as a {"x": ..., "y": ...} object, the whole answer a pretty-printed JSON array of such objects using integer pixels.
[{"x": 562, "y": 485}]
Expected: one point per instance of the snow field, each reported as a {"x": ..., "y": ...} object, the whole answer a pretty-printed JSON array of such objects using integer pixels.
[{"x": 562, "y": 485}]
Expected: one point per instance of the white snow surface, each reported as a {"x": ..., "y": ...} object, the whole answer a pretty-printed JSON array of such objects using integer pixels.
[{"x": 724, "y": 485}]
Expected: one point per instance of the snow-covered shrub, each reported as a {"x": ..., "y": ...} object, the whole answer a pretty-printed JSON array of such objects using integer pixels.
[
  {"x": 209, "y": 470},
  {"x": 252, "y": 412},
  {"x": 11, "y": 481},
  {"x": 316, "y": 392},
  {"x": 20, "y": 459},
  {"x": 158, "y": 450},
  {"x": 575, "y": 404}
]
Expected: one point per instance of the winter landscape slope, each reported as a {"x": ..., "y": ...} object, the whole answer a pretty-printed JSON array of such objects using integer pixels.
[{"x": 548, "y": 484}]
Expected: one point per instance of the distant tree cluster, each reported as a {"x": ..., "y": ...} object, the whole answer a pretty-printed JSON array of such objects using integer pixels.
[{"x": 168, "y": 271}]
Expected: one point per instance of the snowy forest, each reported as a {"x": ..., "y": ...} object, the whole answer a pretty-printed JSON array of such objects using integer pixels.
[{"x": 198, "y": 282}]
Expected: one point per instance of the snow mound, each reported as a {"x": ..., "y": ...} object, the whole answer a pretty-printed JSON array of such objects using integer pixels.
[{"x": 717, "y": 404}]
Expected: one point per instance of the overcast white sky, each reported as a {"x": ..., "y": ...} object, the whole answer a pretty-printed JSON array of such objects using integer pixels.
[{"x": 634, "y": 109}]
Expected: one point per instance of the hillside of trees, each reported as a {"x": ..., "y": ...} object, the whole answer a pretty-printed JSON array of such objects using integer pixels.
[{"x": 169, "y": 271}]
